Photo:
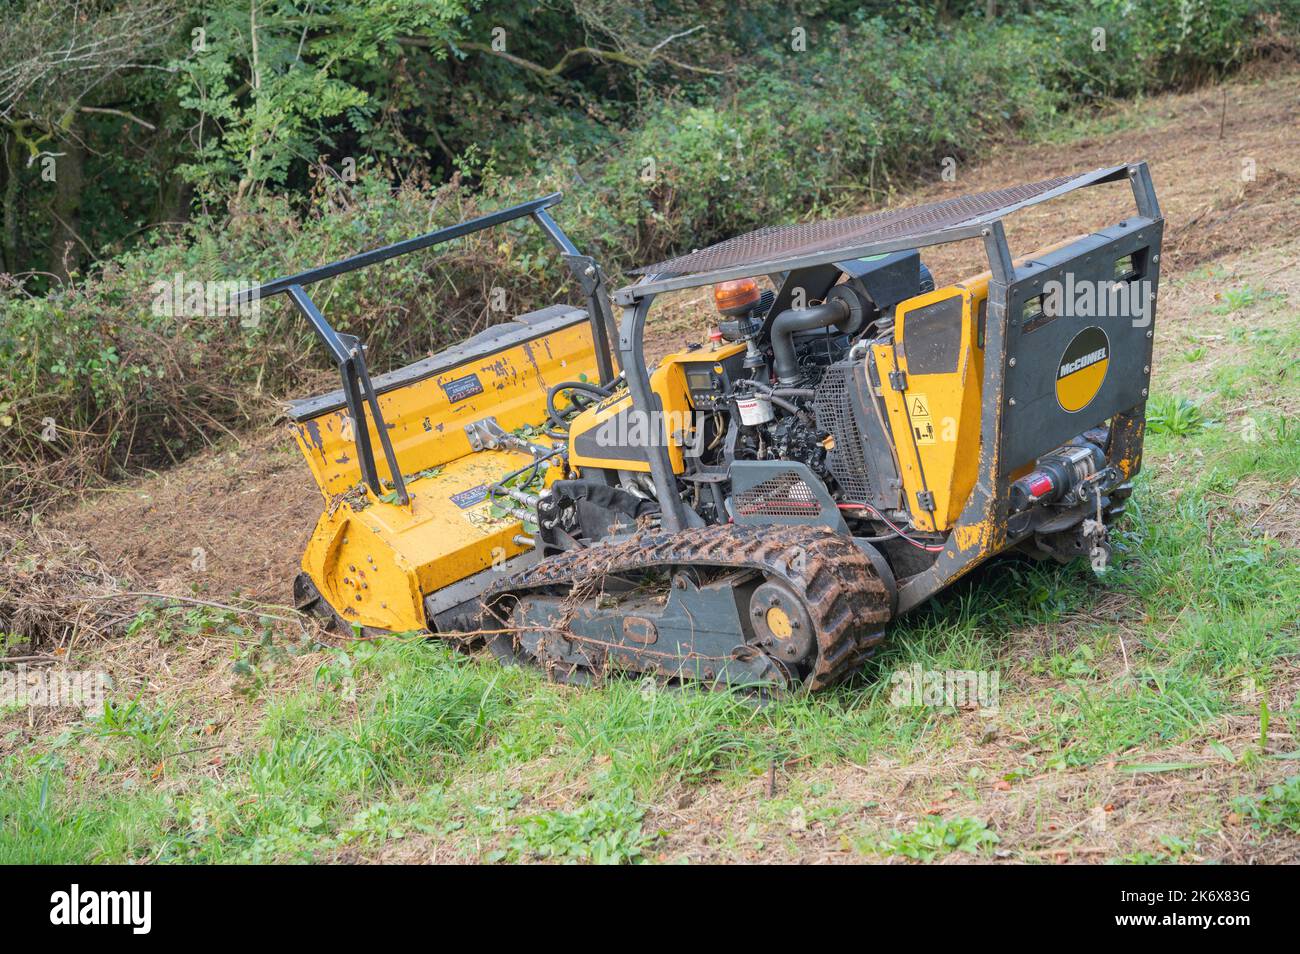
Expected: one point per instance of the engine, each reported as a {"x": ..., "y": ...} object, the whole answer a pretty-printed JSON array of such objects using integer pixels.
[
  {"x": 810, "y": 401},
  {"x": 781, "y": 380}
]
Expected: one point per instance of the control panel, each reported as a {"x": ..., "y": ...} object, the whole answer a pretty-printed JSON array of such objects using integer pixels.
[{"x": 708, "y": 379}]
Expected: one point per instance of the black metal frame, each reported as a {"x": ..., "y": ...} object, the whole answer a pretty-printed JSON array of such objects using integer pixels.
[
  {"x": 349, "y": 353},
  {"x": 988, "y": 500}
]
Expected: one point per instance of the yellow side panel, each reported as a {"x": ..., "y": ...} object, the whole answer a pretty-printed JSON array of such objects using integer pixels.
[
  {"x": 669, "y": 382},
  {"x": 936, "y": 421},
  {"x": 593, "y": 420},
  {"x": 428, "y": 430},
  {"x": 374, "y": 564}
]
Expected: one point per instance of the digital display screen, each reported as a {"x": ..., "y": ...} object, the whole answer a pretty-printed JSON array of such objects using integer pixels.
[{"x": 699, "y": 380}]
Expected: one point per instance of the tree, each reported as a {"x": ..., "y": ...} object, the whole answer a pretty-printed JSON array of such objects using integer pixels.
[
  {"x": 270, "y": 75},
  {"x": 59, "y": 61}
]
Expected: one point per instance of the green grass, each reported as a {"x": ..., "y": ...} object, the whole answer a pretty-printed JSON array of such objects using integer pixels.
[
  {"x": 602, "y": 831},
  {"x": 1277, "y": 808},
  {"x": 1176, "y": 416},
  {"x": 406, "y": 743},
  {"x": 48, "y": 821},
  {"x": 934, "y": 837}
]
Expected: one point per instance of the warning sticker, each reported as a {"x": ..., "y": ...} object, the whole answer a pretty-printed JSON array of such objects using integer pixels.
[
  {"x": 918, "y": 409},
  {"x": 475, "y": 506},
  {"x": 482, "y": 518}
]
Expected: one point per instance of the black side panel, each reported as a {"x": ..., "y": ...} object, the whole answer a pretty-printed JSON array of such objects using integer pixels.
[
  {"x": 887, "y": 279},
  {"x": 1079, "y": 334},
  {"x": 932, "y": 337},
  {"x": 608, "y": 440}
]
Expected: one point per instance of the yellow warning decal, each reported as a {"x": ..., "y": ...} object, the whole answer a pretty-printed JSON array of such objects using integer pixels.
[{"x": 918, "y": 410}]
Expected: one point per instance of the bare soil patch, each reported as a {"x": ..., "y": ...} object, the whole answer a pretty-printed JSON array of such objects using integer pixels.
[{"x": 232, "y": 521}]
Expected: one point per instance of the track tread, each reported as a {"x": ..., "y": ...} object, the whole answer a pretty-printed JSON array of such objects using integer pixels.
[{"x": 847, "y": 600}]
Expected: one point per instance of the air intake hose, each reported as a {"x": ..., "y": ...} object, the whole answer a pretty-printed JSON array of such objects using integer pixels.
[{"x": 842, "y": 308}]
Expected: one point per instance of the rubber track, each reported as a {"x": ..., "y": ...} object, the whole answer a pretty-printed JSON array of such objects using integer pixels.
[{"x": 846, "y": 599}]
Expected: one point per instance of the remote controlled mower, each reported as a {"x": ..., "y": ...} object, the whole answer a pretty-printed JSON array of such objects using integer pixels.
[{"x": 850, "y": 440}]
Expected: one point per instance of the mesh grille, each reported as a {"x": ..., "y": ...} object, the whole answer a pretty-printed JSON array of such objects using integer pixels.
[
  {"x": 777, "y": 242},
  {"x": 834, "y": 411},
  {"x": 783, "y": 495}
]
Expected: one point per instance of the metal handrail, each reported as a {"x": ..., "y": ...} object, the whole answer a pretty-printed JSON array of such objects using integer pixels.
[{"x": 349, "y": 353}]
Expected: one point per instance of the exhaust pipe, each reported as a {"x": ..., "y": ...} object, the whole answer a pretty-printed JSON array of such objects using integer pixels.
[{"x": 842, "y": 308}]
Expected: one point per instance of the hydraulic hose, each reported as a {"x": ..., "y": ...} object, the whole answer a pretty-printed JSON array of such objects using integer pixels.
[
  {"x": 780, "y": 392},
  {"x": 773, "y": 395},
  {"x": 586, "y": 386}
]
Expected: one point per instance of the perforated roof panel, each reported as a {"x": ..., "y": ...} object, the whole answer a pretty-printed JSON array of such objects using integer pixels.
[{"x": 856, "y": 234}]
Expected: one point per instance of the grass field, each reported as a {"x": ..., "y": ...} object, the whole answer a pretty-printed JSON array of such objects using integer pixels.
[{"x": 1150, "y": 716}]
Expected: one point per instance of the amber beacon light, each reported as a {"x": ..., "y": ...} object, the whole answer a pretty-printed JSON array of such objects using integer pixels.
[{"x": 735, "y": 297}]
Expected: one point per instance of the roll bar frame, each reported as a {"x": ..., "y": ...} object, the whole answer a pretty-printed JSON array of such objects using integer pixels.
[
  {"x": 349, "y": 353},
  {"x": 635, "y": 301}
]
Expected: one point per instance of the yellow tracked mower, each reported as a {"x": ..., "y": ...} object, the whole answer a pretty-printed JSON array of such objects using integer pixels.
[{"x": 757, "y": 509}]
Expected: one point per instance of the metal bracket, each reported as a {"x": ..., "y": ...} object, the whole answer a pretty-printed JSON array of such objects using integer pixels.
[
  {"x": 592, "y": 280},
  {"x": 603, "y": 327},
  {"x": 349, "y": 355},
  {"x": 631, "y": 345},
  {"x": 487, "y": 434},
  {"x": 484, "y": 435},
  {"x": 1144, "y": 191}
]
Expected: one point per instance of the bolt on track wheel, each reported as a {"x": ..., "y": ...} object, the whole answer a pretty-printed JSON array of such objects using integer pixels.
[{"x": 782, "y": 624}]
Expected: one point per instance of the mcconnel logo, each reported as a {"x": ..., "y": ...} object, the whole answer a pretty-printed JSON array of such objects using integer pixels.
[{"x": 1082, "y": 369}]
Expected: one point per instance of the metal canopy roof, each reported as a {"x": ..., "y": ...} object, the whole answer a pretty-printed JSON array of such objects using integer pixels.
[{"x": 780, "y": 248}]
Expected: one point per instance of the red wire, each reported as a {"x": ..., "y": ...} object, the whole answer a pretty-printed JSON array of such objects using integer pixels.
[{"x": 916, "y": 543}]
